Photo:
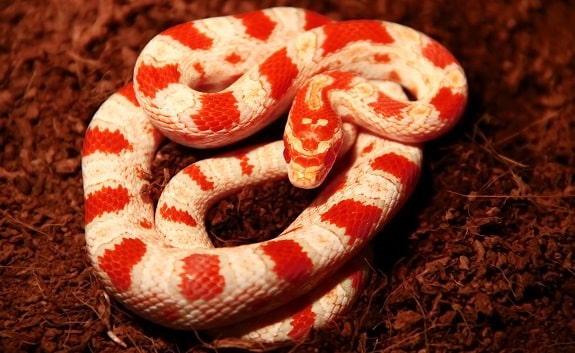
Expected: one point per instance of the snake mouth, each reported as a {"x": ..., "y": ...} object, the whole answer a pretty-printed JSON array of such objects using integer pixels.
[{"x": 308, "y": 177}]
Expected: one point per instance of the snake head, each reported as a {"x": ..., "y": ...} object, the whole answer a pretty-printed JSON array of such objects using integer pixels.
[
  {"x": 308, "y": 169},
  {"x": 314, "y": 133}
]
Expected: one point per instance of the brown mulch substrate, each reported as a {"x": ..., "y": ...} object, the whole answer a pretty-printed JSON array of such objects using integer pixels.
[{"x": 480, "y": 260}]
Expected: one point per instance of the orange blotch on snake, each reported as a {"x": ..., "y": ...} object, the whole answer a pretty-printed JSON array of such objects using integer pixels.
[
  {"x": 187, "y": 34},
  {"x": 196, "y": 174},
  {"x": 356, "y": 218},
  {"x": 287, "y": 153},
  {"x": 233, "y": 58},
  {"x": 398, "y": 166},
  {"x": 128, "y": 92},
  {"x": 368, "y": 148},
  {"x": 145, "y": 223},
  {"x": 104, "y": 141},
  {"x": 313, "y": 20},
  {"x": 258, "y": 25},
  {"x": 199, "y": 69},
  {"x": 179, "y": 216},
  {"x": 437, "y": 54},
  {"x": 301, "y": 323},
  {"x": 152, "y": 79},
  {"x": 449, "y": 105},
  {"x": 245, "y": 165},
  {"x": 169, "y": 315},
  {"x": 280, "y": 71},
  {"x": 386, "y": 106},
  {"x": 219, "y": 112},
  {"x": 119, "y": 262},
  {"x": 343, "y": 33},
  {"x": 291, "y": 262},
  {"x": 382, "y": 58},
  {"x": 394, "y": 76},
  {"x": 106, "y": 200},
  {"x": 312, "y": 119},
  {"x": 201, "y": 278}
]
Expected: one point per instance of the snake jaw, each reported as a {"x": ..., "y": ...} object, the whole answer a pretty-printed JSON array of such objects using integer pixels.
[
  {"x": 308, "y": 171},
  {"x": 306, "y": 177}
]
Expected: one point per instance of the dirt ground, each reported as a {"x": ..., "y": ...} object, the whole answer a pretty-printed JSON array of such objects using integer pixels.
[{"x": 480, "y": 260}]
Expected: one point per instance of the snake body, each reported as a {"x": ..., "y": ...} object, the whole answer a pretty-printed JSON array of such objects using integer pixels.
[{"x": 215, "y": 81}]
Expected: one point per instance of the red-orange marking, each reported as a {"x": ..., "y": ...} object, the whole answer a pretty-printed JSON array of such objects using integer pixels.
[
  {"x": 307, "y": 161},
  {"x": 368, "y": 148},
  {"x": 201, "y": 278},
  {"x": 287, "y": 151},
  {"x": 219, "y": 112},
  {"x": 394, "y": 76},
  {"x": 313, "y": 20},
  {"x": 301, "y": 323},
  {"x": 258, "y": 25},
  {"x": 233, "y": 58},
  {"x": 189, "y": 36},
  {"x": 173, "y": 214},
  {"x": 152, "y": 79},
  {"x": 145, "y": 223},
  {"x": 247, "y": 167},
  {"x": 386, "y": 106},
  {"x": 200, "y": 69},
  {"x": 196, "y": 174},
  {"x": 449, "y": 105},
  {"x": 119, "y": 262},
  {"x": 438, "y": 55},
  {"x": 104, "y": 141},
  {"x": 280, "y": 71},
  {"x": 169, "y": 315},
  {"x": 105, "y": 200},
  {"x": 396, "y": 165},
  {"x": 356, "y": 218},
  {"x": 128, "y": 92},
  {"x": 341, "y": 34},
  {"x": 382, "y": 58},
  {"x": 312, "y": 134},
  {"x": 291, "y": 262}
]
